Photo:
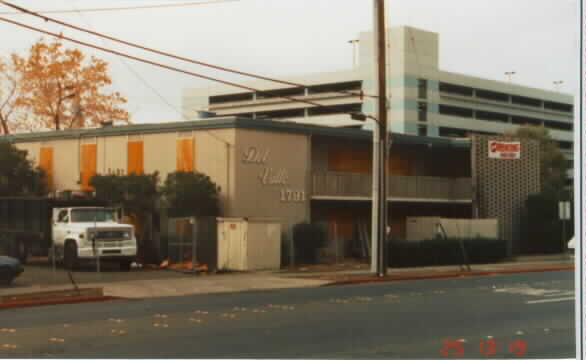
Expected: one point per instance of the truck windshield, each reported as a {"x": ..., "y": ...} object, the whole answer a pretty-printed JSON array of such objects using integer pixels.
[{"x": 91, "y": 215}]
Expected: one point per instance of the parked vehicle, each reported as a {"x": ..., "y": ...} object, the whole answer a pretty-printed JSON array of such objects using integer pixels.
[
  {"x": 10, "y": 268},
  {"x": 572, "y": 245},
  {"x": 67, "y": 231}
]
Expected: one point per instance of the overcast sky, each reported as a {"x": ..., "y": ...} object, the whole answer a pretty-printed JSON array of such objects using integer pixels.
[{"x": 538, "y": 39}]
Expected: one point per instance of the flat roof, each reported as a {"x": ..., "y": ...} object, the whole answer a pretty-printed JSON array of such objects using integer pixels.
[{"x": 231, "y": 123}]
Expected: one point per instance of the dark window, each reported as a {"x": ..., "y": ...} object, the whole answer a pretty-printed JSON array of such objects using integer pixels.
[
  {"x": 492, "y": 95},
  {"x": 455, "y": 111},
  {"x": 551, "y": 105},
  {"x": 566, "y": 145},
  {"x": 336, "y": 109},
  {"x": 422, "y": 111},
  {"x": 230, "y": 98},
  {"x": 279, "y": 114},
  {"x": 555, "y": 125},
  {"x": 422, "y": 130},
  {"x": 280, "y": 92},
  {"x": 456, "y": 89},
  {"x": 422, "y": 88},
  {"x": 522, "y": 100},
  {"x": 524, "y": 120},
  {"x": 451, "y": 132},
  {"x": 334, "y": 87},
  {"x": 492, "y": 116}
]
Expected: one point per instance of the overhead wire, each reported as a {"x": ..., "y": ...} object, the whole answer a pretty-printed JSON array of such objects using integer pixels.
[
  {"x": 159, "y": 52},
  {"x": 168, "y": 67},
  {"x": 123, "y": 8}
]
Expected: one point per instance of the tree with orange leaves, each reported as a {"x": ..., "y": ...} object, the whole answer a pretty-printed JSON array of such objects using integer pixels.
[
  {"x": 12, "y": 116},
  {"x": 61, "y": 89}
]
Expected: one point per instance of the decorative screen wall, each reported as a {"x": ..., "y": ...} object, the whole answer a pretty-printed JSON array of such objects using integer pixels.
[{"x": 503, "y": 185}]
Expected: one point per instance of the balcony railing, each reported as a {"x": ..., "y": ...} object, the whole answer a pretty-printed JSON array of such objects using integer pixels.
[{"x": 341, "y": 184}]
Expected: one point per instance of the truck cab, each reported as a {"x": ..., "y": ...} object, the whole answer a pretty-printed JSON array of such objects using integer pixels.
[{"x": 91, "y": 233}]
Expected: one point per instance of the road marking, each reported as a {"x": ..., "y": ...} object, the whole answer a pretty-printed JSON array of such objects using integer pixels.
[
  {"x": 565, "y": 293},
  {"x": 549, "y": 300}
]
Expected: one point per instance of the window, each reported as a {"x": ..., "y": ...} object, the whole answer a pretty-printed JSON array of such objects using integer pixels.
[
  {"x": 422, "y": 130},
  {"x": 336, "y": 109},
  {"x": 456, "y": 89},
  {"x": 492, "y": 95},
  {"x": 524, "y": 120},
  {"x": 422, "y": 111},
  {"x": 455, "y": 111},
  {"x": 522, "y": 100},
  {"x": 566, "y": 145},
  {"x": 492, "y": 116},
  {"x": 280, "y": 92},
  {"x": 63, "y": 216},
  {"x": 451, "y": 132},
  {"x": 556, "y": 125},
  {"x": 280, "y": 114},
  {"x": 91, "y": 215},
  {"x": 422, "y": 88},
  {"x": 556, "y": 106},
  {"x": 230, "y": 98},
  {"x": 334, "y": 87}
]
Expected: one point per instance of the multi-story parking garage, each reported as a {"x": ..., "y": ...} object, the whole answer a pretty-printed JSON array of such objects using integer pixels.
[{"x": 424, "y": 100}]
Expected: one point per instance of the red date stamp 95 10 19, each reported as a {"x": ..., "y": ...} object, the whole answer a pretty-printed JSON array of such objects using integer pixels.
[{"x": 488, "y": 347}]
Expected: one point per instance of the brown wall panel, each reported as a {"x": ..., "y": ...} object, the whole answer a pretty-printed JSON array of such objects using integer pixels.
[{"x": 135, "y": 157}]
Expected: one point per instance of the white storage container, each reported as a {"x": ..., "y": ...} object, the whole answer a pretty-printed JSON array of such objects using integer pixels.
[{"x": 246, "y": 244}]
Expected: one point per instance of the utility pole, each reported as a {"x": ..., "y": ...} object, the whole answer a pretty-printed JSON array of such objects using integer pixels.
[{"x": 381, "y": 114}]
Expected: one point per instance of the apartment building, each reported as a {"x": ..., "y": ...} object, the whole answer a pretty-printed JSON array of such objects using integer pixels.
[{"x": 424, "y": 100}]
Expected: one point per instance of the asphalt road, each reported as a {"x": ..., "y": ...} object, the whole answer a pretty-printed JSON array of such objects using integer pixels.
[{"x": 410, "y": 319}]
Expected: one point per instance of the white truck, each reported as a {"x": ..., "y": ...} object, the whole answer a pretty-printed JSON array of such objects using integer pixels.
[
  {"x": 89, "y": 233},
  {"x": 68, "y": 231}
]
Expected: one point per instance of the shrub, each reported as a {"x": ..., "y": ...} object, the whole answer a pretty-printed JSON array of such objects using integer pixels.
[
  {"x": 191, "y": 194},
  {"x": 445, "y": 252},
  {"x": 308, "y": 238}
]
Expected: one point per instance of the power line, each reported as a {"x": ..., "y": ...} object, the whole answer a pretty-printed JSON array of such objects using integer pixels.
[
  {"x": 168, "y": 67},
  {"x": 124, "y": 8},
  {"x": 221, "y": 68}
]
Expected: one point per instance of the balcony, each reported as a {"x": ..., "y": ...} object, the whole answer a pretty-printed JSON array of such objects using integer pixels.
[{"x": 355, "y": 186}]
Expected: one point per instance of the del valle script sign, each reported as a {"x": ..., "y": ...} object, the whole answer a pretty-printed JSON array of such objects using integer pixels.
[{"x": 504, "y": 149}]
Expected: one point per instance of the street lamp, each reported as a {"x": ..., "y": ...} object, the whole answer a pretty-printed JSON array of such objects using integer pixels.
[
  {"x": 510, "y": 74},
  {"x": 380, "y": 147},
  {"x": 557, "y": 84},
  {"x": 354, "y": 51}
]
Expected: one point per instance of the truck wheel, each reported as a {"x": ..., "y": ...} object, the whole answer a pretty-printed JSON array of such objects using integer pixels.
[
  {"x": 125, "y": 265},
  {"x": 70, "y": 256}
]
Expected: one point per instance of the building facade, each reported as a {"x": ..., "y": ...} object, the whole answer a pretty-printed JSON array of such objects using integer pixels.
[
  {"x": 298, "y": 173},
  {"x": 424, "y": 100}
]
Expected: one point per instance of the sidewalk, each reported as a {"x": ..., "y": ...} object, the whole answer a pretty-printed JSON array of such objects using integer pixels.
[
  {"x": 297, "y": 277},
  {"x": 342, "y": 274}
]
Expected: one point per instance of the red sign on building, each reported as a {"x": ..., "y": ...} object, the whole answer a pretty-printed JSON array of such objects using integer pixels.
[{"x": 504, "y": 149}]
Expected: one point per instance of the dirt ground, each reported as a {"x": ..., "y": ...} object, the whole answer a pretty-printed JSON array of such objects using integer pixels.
[{"x": 39, "y": 271}]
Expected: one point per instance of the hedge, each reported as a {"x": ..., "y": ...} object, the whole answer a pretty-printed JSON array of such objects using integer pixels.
[{"x": 445, "y": 252}]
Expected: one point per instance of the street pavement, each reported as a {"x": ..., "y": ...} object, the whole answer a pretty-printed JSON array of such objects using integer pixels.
[{"x": 528, "y": 315}]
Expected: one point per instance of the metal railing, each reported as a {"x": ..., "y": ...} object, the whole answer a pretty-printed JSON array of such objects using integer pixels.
[{"x": 342, "y": 184}]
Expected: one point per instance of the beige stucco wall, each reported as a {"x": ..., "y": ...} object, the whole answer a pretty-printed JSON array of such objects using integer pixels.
[
  {"x": 33, "y": 151},
  {"x": 281, "y": 153},
  {"x": 66, "y": 170},
  {"x": 111, "y": 154},
  {"x": 214, "y": 156}
]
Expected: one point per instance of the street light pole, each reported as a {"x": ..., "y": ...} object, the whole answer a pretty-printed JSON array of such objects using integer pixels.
[{"x": 381, "y": 115}]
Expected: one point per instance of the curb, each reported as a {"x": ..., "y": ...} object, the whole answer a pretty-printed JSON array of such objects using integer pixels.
[
  {"x": 372, "y": 279},
  {"x": 58, "y": 301}
]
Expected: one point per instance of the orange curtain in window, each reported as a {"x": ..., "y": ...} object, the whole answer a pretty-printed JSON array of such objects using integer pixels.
[
  {"x": 349, "y": 160},
  {"x": 46, "y": 163},
  {"x": 88, "y": 165},
  {"x": 135, "y": 157},
  {"x": 185, "y": 155}
]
